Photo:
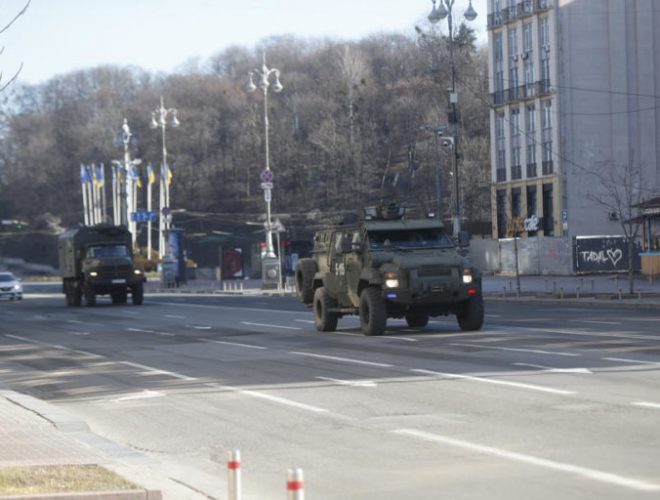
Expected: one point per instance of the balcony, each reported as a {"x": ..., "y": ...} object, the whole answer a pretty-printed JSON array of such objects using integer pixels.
[
  {"x": 548, "y": 168},
  {"x": 523, "y": 9},
  {"x": 516, "y": 172},
  {"x": 531, "y": 170},
  {"x": 522, "y": 92},
  {"x": 500, "y": 174}
]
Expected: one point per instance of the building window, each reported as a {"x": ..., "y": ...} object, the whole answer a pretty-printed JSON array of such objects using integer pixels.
[
  {"x": 546, "y": 123},
  {"x": 531, "y": 205},
  {"x": 516, "y": 169},
  {"x": 530, "y": 136},
  {"x": 548, "y": 210},
  {"x": 501, "y": 213},
  {"x": 513, "y": 41},
  {"x": 498, "y": 58},
  {"x": 544, "y": 32},
  {"x": 528, "y": 40},
  {"x": 516, "y": 203},
  {"x": 513, "y": 65},
  {"x": 500, "y": 160}
]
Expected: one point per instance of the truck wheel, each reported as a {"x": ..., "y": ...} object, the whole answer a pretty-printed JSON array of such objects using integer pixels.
[
  {"x": 77, "y": 297},
  {"x": 326, "y": 320},
  {"x": 305, "y": 271},
  {"x": 137, "y": 295},
  {"x": 470, "y": 314},
  {"x": 417, "y": 320},
  {"x": 89, "y": 296},
  {"x": 373, "y": 316}
]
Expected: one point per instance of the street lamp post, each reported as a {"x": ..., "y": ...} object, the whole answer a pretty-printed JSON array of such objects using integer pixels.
[
  {"x": 159, "y": 119},
  {"x": 267, "y": 175},
  {"x": 444, "y": 10},
  {"x": 437, "y": 134},
  {"x": 126, "y": 189}
]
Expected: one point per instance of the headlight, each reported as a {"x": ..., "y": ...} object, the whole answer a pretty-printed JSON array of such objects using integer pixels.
[
  {"x": 93, "y": 274},
  {"x": 467, "y": 276},
  {"x": 137, "y": 271},
  {"x": 17, "y": 287},
  {"x": 391, "y": 280}
]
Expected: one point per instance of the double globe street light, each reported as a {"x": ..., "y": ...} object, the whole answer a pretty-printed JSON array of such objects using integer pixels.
[
  {"x": 270, "y": 272},
  {"x": 442, "y": 11}
]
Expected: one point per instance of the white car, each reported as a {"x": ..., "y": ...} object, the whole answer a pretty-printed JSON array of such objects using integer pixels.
[{"x": 10, "y": 286}]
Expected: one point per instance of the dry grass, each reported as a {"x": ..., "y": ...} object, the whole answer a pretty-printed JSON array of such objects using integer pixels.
[{"x": 59, "y": 479}]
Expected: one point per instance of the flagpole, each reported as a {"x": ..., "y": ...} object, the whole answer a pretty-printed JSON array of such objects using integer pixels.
[
  {"x": 90, "y": 198},
  {"x": 104, "y": 208},
  {"x": 150, "y": 174},
  {"x": 161, "y": 195}
]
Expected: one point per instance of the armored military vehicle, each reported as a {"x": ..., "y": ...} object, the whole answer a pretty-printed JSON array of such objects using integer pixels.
[
  {"x": 389, "y": 266},
  {"x": 97, "y": 260}
]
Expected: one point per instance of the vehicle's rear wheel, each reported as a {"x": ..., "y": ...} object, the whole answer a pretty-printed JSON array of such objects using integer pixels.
[
  {"x": 373, "y": 316},
  {"x": 470, "y": 314},
  {"x": 417, "y": 320},
  {"x": 305, "y": 271},
  {"x": 89, "y": 296},
  {"x": 325, "y": 320},
  {"x": 137, "y": 295}
]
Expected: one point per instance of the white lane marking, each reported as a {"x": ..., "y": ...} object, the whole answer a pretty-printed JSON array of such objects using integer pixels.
[
  {"x": 16, "y": 337},
  {"x": 202, "y": 327},
  {"x": 56, "y": 346},
  {"x": 647, "y": 404},
  {"x": 519, "y": 385},
  {"x": 352, "y": 383},
  {"x": 407, "y": 339},
  {"x": 555, "y": 370},
  {"x": 235, "y": 344},
  {"x": 305, "y": 321},
  {"x": 139, "y": 330},
  {"x": 74, "y": 321},
  {"x": 515, "y": 349},
  {"x": 156, "y": 370},
  {"x": 343, "y": 360},
  {"x": 130, "y": 313},
  {"x": 270, "y": 326},
  {"x": 146, "y": 394},
  {"x": 493, "y": 315},
  {"x": 618, "y": 335},
  {"x": 82, "y": 334},
  {"x": 271, "y": 398},
  {"x": 596, "y": 322},
  {"x": 634, "y": 361},
  {"x": 232, "y": 309},
  {"x": 594, "y": 474},
  {"x": 174, "y": 316}
]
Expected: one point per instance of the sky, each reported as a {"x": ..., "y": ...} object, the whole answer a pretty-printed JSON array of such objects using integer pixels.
[{"x": 59, "y": 36}]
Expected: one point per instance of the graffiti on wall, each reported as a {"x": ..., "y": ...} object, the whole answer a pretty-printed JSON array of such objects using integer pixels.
[{"x": 595, "y": 254}]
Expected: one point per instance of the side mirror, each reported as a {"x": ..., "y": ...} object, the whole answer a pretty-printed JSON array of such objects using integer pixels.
[{"x": 463, "y": 239}]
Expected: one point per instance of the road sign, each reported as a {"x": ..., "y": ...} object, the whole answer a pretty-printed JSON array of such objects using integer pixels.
[
  {"x": 267, "y": 195},
  {"x": 267, "y": 176},
  {"x": 564, "y": 215},
  {"x": 165, "y": 210},
  {"x": 144, "y": 216},
  {"x": 266, "y": 185}
]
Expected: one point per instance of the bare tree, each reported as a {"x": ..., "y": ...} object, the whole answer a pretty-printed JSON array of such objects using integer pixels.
[{"x": 623, "y": 188}]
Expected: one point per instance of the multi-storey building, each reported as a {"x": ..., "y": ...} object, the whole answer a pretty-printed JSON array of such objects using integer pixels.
[{"x": 574, "y": 91}]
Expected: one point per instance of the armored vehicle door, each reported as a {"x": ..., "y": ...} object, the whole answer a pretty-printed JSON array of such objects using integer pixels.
[
  {"x": 336, "y": 277},
  {"x": 353, "y": 260}
]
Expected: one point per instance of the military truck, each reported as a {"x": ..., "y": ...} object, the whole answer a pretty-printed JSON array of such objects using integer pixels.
[
  {"x": 389, "y": 266},
  {"x": 98, "y": 260}
]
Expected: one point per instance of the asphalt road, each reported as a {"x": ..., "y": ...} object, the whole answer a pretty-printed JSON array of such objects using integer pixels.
[{"x": 545, "y": 402}]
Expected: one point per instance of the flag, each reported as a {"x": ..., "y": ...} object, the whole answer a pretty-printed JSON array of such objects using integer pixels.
[
  {"x": 114, "y": 175},
  {"x": 139, "y": 182},
  {"x": 100, "y": 176},
  {"x": 168, "y": 170},
  {"x": 95, "y": 178},
  {"x": 151, "y": 175},
  {"x": 84, "y": 175}
]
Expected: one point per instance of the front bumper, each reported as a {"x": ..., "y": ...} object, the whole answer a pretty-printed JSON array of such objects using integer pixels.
[{"x": 11, "y": 294}]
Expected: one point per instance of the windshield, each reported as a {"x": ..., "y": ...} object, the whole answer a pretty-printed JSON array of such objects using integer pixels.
[
  {"x": 5, "y": 277},
  {"x": 97, "y": 251},
  {"x": 409, "y": 238}
]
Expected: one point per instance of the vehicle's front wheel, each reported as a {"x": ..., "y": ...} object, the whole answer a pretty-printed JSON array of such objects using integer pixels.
[
  {"x": 470, "y": 314},
  {"x": 417, "y": 320},
  {"x": 325, "y": 320},
  {"x": 137, "y": 295},
  {"x": 373, "y": 316},
  {"x": 89, "y": 296}
]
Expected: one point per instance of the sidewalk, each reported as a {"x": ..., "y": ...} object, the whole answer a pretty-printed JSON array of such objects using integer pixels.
[
  {"x": 609, "y": 290},
  {"x": 36, "y": 433}
]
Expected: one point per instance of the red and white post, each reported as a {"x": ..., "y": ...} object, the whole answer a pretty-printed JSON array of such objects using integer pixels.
[
  {"x": 295, "y": 485},
  {"x": 234, "y": 475}
]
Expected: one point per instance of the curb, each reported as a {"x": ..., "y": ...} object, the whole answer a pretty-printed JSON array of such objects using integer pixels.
[
  {"x": 584, "y": 303},
  {"x": 91, "y": 495}
]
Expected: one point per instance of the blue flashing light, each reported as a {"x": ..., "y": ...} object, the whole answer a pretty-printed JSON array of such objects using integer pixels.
[{"x": 391, "y": 295}]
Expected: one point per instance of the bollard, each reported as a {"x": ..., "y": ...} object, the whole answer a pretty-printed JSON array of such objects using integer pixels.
[
  {"x": 620, "y": 294},
  {"x": 545, "y": 281},
  {"x": 240, "y": 286},
  {"x": 577, "y": 293},
  {"x": 234, "y": 475},
  {"x": 561, "y": 293},
  {"x": 554, "y": 287},
  {"x": 295, "y": 486},
  {"x": 510, "y": 285},
  {"x": 224, "y": 286},
  {"x": 503, "y": 291},
  {"x": 639, "y": 295},
  {"x": 593, "y": 285}
]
